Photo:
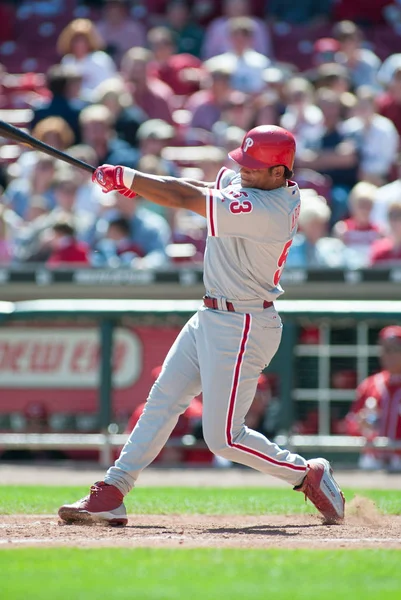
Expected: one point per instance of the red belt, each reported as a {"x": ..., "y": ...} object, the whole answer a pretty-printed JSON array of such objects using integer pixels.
[{"x": 213, "y": 303}]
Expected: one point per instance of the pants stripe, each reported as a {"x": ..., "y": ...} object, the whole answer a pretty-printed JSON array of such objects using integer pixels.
[{"x": 233, "y": 397}]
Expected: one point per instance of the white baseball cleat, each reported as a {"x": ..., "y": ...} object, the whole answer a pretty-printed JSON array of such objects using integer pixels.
[{"x": 320, "y": 487}]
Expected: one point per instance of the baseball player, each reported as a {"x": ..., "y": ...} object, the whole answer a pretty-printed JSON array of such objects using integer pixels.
[
  {"x": 377, "y": 406},
  {"x": 252, "y": 219}
]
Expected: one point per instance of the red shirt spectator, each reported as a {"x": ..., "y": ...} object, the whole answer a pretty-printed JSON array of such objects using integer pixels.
[
  {"x": 355, "y": 234},
  {"x": 388, "y": 250},
  {"x": 152, "y": 95},
  {"x": 389, "y": 103},
  {"x": 72, "y": 252},
  {"x": 181, "y": 72},
  {"x": 65, "y": 248},
  {"x": 377, "y": 407}
]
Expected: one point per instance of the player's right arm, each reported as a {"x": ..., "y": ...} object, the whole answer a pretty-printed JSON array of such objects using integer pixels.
[{"x": 166, "y": 191}]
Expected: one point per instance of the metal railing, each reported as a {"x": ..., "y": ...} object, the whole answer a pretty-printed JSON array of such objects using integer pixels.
[{"x": 106, "y": 442}]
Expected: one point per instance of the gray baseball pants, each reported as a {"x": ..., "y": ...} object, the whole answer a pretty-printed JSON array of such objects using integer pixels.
[{"x": 221, "y": 354}]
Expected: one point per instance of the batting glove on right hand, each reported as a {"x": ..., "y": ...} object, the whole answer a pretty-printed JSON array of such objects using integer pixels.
[{"x": 111, "y": 178}]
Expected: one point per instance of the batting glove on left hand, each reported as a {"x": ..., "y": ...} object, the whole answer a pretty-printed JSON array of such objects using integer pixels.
[{"x": 110, "y": 178}]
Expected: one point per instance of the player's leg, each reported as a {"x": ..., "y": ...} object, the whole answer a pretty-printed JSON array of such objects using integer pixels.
[
  {"x": 177, "y": 384},
  {"x": 171, "y": 394},
  {"x": 233, "y": 348}
]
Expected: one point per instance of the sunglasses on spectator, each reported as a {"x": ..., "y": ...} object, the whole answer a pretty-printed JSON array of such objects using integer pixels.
[{"x": 396, "y": 215}]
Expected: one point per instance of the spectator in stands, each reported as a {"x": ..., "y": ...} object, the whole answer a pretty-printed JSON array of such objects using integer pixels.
[
  {"x": 5, "y": 241},
  {"x": 153, "y": 136},
  {"x": 119, "y": 30},
  {"x": 389, "y": 66},
  {"x": 33, "y": 241},
  {"x": 39, "y": 181},
  {"x": 324, "y": 51},
  {"x": 37, "y": 208},
  {"x": 387, "y": 252},
  {"x": 206, "y": 105},
  {"x": 65, "y": 249},
  {"x": 247, "y": 64},
  {"x": 357, "y": 232},
  {"x": 81, "y": 46},
  {"x": 53, "y": 131},
  {"x": 152, "y": 95},
  {"x": 88, "y": 197},
  {"x": 97, "y": 126},
  {"x": 363, "y": 64},
  {"x": 238, "y": 110},
  {"x": 376, "y": 138},
  {"x": 217, "y": 39},
  {"x": 377, "y": 406},
  {"x": 148, "y": 231},
  {"x": 333, "y": 76},
  {"x": 116, "y": 249},
  {"x": 312, "y": 248},
  {"x": 306, "y": 12},
  {"x": 302, "y": 117},
  {"x": 181, "y": 72},
  {"x": 228, "y": 138},
  {"x": 386, "y": 195},
  {"x": 389, "y": 103},
  {"x": 127, "y": 116},
  {"x": 187, "y": 33},
  {"x": 332, "y": 153},
  {"x": 64, "y": 83}
]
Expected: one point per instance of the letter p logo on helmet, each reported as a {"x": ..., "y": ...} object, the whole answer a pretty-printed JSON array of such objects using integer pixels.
[{"x": 248, "y": 144}]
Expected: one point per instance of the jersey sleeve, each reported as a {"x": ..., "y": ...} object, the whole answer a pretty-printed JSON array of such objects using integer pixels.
[
  {"x": 232, "y": 213},
  {"x": 224, "y": 178}
]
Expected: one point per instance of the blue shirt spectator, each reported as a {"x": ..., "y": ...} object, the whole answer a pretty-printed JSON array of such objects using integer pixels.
[
  {"x": 297, "y": 13},
  {"x": 64, "y": 84},
  {"x": 149, "y": 234}
]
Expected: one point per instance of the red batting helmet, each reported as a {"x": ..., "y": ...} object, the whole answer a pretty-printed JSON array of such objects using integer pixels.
[{"x": 265, "y": 146}]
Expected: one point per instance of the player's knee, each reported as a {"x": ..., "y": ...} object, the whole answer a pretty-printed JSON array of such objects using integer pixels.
[{"x": 217, "y": 442}]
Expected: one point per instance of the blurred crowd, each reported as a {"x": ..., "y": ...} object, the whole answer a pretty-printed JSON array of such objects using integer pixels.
[{"x": 169, "y": 87}]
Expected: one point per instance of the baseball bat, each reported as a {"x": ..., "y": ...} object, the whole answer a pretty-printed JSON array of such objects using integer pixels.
[{"x": 19, "y": 136}]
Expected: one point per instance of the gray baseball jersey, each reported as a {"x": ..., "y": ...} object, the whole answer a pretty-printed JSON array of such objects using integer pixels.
[
  {"x": 220, "y": 352},
  {"x": 250, "y": 232}
]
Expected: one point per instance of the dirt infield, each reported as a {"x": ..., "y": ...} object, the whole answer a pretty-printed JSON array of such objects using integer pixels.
[
  {"x": 293, "y": 531},
  {"x": 364, "y": 526}
]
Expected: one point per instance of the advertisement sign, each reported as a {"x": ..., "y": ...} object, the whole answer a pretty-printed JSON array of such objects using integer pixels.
[{"x": 58, "y": 366}]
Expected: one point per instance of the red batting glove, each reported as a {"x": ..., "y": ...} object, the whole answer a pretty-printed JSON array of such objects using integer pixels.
[{"x": 111, "y": 178}]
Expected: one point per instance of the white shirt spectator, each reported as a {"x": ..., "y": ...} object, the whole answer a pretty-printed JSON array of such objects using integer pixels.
[
  {"x": 385, "y": 195},
  {"x": 364, "y": 72},
  {"x": 247, "y": 69},
  {"x": 378, "y": 143},
  {"x": 94, "y": 68},
  {"x": 306, "y": 127},
  {"x": 217, "y": 38},
  {"x": 388, "y": 68}
]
